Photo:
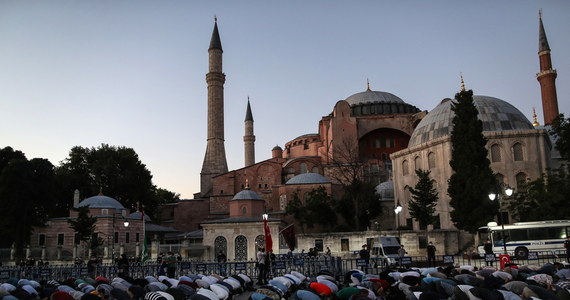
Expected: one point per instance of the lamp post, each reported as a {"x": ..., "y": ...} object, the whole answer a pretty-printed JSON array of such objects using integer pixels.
[
  {"x": 508, "y": 191},
  {"x": 126, "y": 223},
  {"x": 397, "y": 211}
]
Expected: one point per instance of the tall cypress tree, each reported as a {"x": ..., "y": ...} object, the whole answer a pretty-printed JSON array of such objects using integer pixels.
[
  {"x": 424, "y": 198},
  {"x": 472, "y": 178}
]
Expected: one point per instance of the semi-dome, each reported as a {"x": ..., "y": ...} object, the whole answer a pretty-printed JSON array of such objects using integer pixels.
[
  {"x": 137, "y": 216},
  {"x": 247, "y": 195},
  {"x": 385, "y": 190},
  {"x": 369, "y": 96},
  {"x": 101, "y": 201},
  {"x": 308, "y": 178},
  {"x": 496, "y": 115}
]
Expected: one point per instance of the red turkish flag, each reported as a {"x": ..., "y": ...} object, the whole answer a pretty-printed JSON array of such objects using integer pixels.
[{"x": 267, "y": 232}]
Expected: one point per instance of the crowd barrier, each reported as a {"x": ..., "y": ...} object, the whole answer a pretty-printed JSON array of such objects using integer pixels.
[{"x": 310, "y": 266}]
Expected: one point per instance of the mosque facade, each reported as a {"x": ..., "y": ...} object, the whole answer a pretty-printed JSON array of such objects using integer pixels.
[{"x": 389, "y": 137}]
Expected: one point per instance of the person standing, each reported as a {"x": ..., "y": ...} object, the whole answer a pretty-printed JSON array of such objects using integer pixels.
[
  {"x": 431, "y": 254},
  {"x": 365, "y": 254},
  {"x": 261, "y": 268},
  {"x": 567, "y": 247},
  {"x": 170, "y": 265},
  {"x": 222, "y": 262},
  {"x": 92, "y": 267},
  {"x": 123, "y": 265},
  {"x": 488, "y": 247}
]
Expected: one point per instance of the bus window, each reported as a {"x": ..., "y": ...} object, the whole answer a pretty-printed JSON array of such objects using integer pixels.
[{"x": 519, "y": 235}]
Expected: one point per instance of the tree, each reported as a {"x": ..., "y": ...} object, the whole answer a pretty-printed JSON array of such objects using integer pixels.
[
  {"x": 166, "y": 196},
  {"x": 116, "y": 171},
  {"x": 424, "y": 198},
  {"x": 83, "y": 225},
  {"x": 317, "y": 209},
  {"x": 561, "y": 131},
  {"x": 7, "y": 154},
  {"x": 26, "y": 198},
  {"x": 545, "y": 198},
  {"x": 359, "y": 203},
  {"x": 472, "y": 177}
]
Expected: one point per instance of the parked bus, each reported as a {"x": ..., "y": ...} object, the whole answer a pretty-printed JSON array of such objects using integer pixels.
[{"x": 523, "y": 237}]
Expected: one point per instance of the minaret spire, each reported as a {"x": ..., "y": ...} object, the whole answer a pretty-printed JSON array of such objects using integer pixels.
[
  {"x": 215, "y": 158},
  {"x": 368, "y": 85},
  {"x": 249, "y": 137},
  {"x": 462, "y": 82},
  {"x": 546, "y": 77},
  {"x": 534, "y": 120}
]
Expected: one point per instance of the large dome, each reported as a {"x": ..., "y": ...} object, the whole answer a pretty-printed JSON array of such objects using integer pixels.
[
  {"x": 308, "y": 178},
  {"x": 101, "y": 201},
  {"x": 496, "y": 114},
  {"x": 373, "y": 96}
]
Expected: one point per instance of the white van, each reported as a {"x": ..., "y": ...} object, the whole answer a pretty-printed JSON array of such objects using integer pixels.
[{"x": 385, "y": 250}]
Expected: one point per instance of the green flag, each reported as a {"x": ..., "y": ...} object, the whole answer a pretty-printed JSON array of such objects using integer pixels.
[{"x": 145, "y": 253}]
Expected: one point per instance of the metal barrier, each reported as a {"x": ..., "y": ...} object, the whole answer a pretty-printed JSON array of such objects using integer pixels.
[{"x": 310, "y": 266}]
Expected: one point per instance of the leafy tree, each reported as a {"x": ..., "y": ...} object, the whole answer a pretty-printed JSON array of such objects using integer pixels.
[
  {"x": 317, "y": 209},
  {"x": 166, "y": 196},
  {"x": 545, "y": 198},
  {"x": 561, "y": 131},
  {"x": 472, "y": 177},
  {"x": 26, "y": 198},
  {"x": 83, "y": 225},
  {"x": 116, "y": 171},
  {"x": 424, "y": 198},
  {"x": 7, "y": 154}
]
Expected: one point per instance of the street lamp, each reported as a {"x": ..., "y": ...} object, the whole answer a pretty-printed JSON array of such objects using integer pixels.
[
  {"x": 397, "y": 211},
  {"x": 126, "y": 224},
  {"x": 508, "y": 191}
]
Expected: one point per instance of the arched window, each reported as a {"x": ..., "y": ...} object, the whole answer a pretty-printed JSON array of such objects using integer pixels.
[
  {"x": 241, "y": 248},
  {"x": 405, "y": 167},
  {"x": 518, "y": 152},
  {"x": 244, "y": 210},
  {"x": 303, "y": 168},
  {"x": 495, "y": 153},
  {"x": 417, "y": 163},
  {"x": 315, "y": 170},
  {"x": 220, "y": 244},
  {"x": 431, "y": 160},
  {"x": 521, "y": 181}
]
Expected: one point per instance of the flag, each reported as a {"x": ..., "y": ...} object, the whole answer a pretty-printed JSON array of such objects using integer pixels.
[
  {"x": 289, "y": 236},
  {"x": 267, "y": 232},
  {"x": 145, "y": 253}
]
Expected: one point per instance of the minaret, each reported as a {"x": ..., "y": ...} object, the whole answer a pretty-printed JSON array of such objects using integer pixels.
[
  {"x": 546, "y": 77},
  {"x": 249, "y": 138},
  {"x": 215, "y": 158}
]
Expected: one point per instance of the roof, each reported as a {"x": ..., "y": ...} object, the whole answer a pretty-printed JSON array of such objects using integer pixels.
[
  {"x": 248, "y": 114},
  {"x": 149, "y": 227},
  {"x": 137, "y": 215},
  {"x": 215, "y": 42},
  {"x": 496, "y": 115},
  {"x": 308, "y": 178},
  {"x": 373, "y": 96},
  {"x": 246, "y": 195},
  {"x": 542, "y": 41},
  {"x": 101, "y": 201},
  {"x": 240, "y": 220}
]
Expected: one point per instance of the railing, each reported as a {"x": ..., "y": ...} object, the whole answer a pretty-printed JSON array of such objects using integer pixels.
[{"x": 310, "y": 266}]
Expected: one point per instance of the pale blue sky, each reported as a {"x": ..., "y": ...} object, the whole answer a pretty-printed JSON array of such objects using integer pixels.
[{"x": 132, "y": 73}]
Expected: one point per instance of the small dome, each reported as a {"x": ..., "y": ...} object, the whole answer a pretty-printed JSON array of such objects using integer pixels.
[
  {"x": 277, "y": 148},
  {"x": 308, "y": 178},
  {"x": 373, "y": 96},
  {"x": 101, "y": 201},
  {"x": 496, "y": 114},
  {"x": 385, "y": 190},
  {"x": 246, "y": 195}
]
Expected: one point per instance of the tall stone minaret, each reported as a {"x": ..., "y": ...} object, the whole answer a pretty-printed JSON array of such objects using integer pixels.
[
  {"x": 249, "y": 138},
  {"x": 546, "y": 77},
  {"x": 215, "y": 159}
]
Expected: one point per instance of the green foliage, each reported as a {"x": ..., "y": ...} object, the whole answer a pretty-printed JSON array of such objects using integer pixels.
[
  {"x": 317, "y": 209},
  {"x": 166, "y": 196},
  {"x": 424, "y": 198},
  {"x": 561, "y": 131},
  {"x": 473, "y": 178},
  {"x": 83, "y": 225},
  {"x": 26, "y": 197},
  {"x": 116, "y": 171},
  {"x": 359, "y": 204},
  {"x": 545, "y": 198}
]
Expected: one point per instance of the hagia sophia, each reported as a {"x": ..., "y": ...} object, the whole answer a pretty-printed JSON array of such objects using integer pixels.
[{"x": 391, "y": 138}]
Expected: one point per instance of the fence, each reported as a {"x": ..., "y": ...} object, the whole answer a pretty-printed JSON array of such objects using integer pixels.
[{"x": 310, "y": 266}]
